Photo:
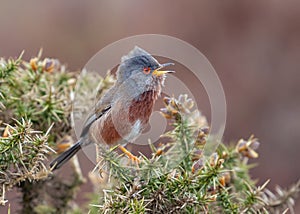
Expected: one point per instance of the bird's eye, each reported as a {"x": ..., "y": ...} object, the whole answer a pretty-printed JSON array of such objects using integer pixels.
[{"x": 147, "y": 70}]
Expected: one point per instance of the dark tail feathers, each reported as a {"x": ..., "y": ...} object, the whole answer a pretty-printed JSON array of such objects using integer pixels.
[{"x": 65, "y": 156}]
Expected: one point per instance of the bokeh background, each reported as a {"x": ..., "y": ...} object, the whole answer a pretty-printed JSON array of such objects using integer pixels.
[{"x": 254, "y": 47}]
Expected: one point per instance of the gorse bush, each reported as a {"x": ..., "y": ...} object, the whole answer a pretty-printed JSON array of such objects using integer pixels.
[
  {"x": 36, "y": 113},
  {"x": 177, "y": 178},
  {"x": 35, "y": 108}
]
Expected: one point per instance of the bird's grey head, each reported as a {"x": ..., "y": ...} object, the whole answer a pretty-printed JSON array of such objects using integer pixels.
[{"x": 141, "y": 69}]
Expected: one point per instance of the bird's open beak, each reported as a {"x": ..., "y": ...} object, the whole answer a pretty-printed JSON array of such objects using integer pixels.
[{"x": 159, "y": 72}]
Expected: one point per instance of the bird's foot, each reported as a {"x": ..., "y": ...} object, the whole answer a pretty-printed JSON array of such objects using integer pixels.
[{"x": 132, "y": 157}]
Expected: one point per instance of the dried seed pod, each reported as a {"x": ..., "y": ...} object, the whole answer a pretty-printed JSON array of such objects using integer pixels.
[
  {"x": 165, "y": 113},
  {"x": 198, "y": 165},
  {"x": 241, "y": 146},
  {"x": 200, "y": 138},
  {"x": 251, "y": 154},
  {"x": 169, "y": 112},
  {"x": 225, "y": 178},
  {"x": 196, "y": 155},
  {"x": 34, "y": 63},
  {"x": 186, "y": 103},
  {"x": 166, "y": 100},
  {"x": 213, "y": 160},
  {"x": 247, "y": 148},
  {"x": 205, "y": 130},
  {"x": 50, "y": 64},
  {"x": 220, "y": 163}
]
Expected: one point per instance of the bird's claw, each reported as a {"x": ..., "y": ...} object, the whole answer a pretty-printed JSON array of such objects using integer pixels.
[{"x": 132, "y": 157}]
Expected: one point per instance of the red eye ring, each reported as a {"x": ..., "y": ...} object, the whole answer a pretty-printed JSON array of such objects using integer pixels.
[{"x": 147, "y": 70}]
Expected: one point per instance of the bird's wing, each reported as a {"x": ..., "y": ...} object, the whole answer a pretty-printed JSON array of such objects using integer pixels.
[
  {"x": 101, "y": 107},
  {"x": 91, "y": 119}
]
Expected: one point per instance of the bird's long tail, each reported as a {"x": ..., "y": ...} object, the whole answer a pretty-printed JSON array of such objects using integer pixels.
[{"x": 65, "y": 156}]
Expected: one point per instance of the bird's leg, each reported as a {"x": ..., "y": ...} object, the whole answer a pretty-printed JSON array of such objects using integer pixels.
[{"x": 129, "y": 155}]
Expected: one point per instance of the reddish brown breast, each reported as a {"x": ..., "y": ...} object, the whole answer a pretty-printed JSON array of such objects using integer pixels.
[{"x": 141, "y": 107}]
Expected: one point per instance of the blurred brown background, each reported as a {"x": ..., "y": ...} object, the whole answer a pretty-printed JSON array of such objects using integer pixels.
[{"x": 253, "y": 45}]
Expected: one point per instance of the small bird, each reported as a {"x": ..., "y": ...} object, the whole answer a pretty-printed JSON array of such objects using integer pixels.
[{"x": 123, "y": 112}]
